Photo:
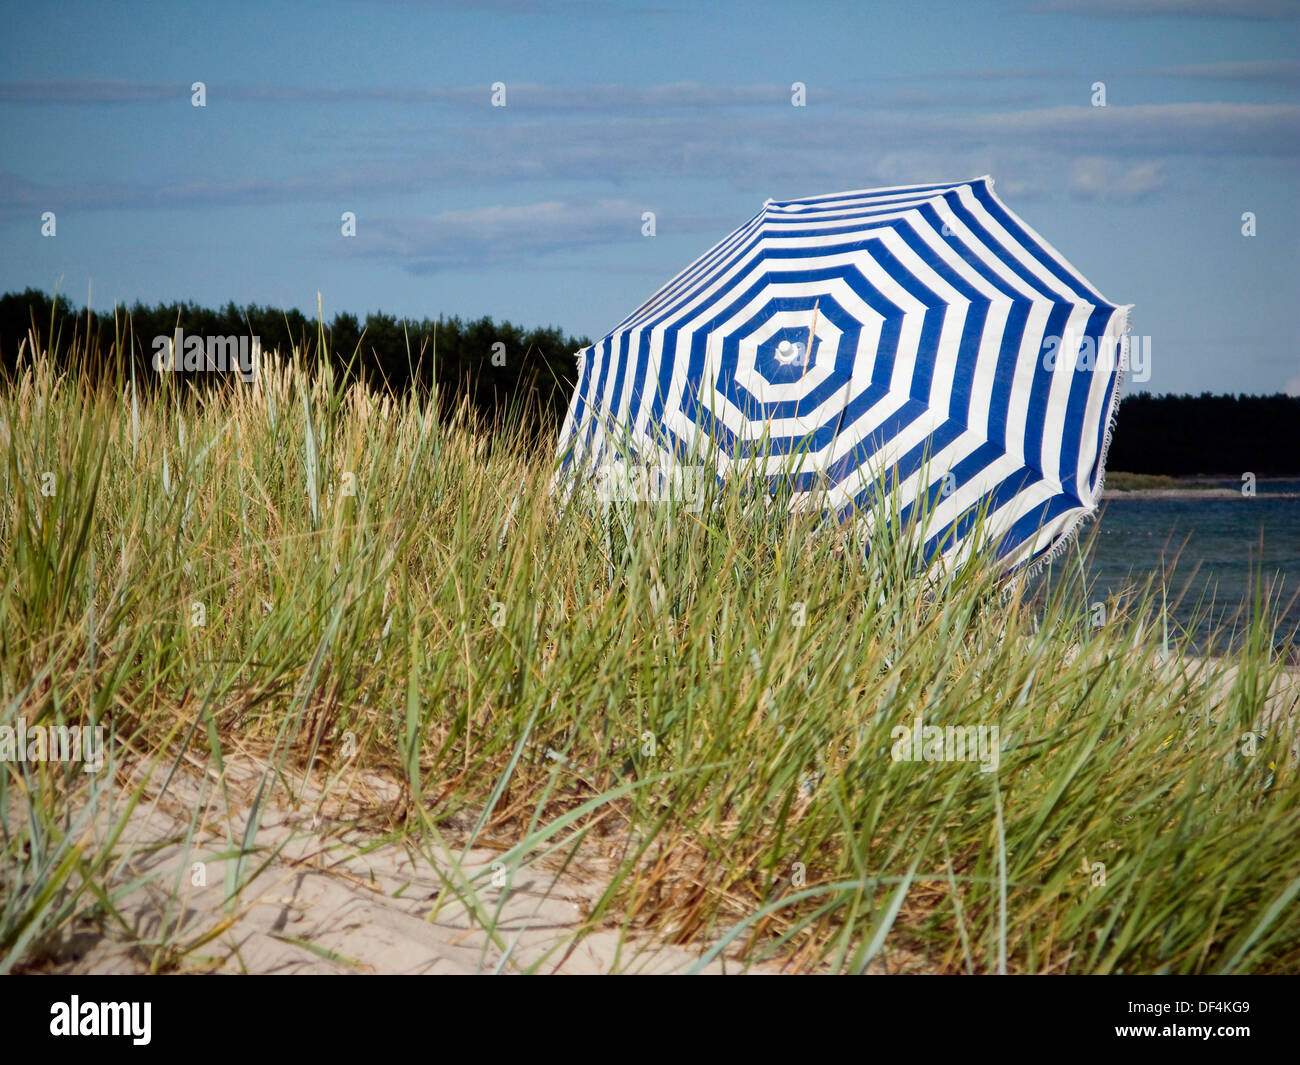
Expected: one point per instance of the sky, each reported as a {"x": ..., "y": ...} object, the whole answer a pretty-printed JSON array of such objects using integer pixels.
[{"x": 534, "y": 211}]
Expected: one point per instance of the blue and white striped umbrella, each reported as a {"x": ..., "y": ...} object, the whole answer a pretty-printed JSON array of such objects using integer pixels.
[{"x": 922, "y": 336}]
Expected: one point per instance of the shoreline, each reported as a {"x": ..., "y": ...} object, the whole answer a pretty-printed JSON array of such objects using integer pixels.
[{"x": 1192, "y": 493}]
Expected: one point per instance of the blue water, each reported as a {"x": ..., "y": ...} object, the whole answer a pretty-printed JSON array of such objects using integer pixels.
[{"x": 1211, "y": 550}]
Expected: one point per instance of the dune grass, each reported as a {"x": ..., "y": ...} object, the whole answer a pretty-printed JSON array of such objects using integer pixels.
[{"x": 337, "y": 579}]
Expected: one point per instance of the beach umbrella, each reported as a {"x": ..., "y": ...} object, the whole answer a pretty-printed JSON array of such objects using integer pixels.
[{"x": 921, "y": 338}]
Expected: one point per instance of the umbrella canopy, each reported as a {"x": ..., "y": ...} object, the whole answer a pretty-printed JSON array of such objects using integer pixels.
[{"x": 920, "y": 337}]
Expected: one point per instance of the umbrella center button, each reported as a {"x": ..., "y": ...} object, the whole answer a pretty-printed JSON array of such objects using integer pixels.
[{"x": 787, "y": 353}]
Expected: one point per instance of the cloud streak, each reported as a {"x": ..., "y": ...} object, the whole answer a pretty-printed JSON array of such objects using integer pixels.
[
  {"x": 785, "y": 152},
  {"x": 504, "y": 233},
  {"x": 1242, "y": 9},
  {"x": 526, "y": 96},
  {"x": 1259, "y": 70},
  {"x": 88, "y": 91}
]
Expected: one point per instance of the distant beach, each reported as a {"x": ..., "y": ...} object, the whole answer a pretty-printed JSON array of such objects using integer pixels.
[
  {"x": 1120, "y": 485},
  {"x": 1192, "y": 493}
]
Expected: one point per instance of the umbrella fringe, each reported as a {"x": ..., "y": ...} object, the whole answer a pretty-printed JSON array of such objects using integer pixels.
[
  {"x": 1125, "y": 329},
  {"x": 1063, "y": 543}
]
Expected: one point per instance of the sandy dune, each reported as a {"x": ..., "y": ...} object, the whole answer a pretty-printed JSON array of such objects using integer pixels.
[{"x": 330, "y": 899}]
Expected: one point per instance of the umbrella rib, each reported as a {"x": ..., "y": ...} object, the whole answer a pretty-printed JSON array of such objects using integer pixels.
[{"x": 812, "y": 331}]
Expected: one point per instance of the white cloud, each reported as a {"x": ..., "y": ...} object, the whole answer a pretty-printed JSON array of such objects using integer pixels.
[
  {"x": 1174, "y": 128},
  {"x": 1098, "y": 178}
]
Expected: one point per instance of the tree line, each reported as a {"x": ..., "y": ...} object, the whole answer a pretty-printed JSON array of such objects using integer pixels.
[
  {"x": 501, "y": 368},
  {"x": 498, "y": 367},
  {"x": 1182, "y": 435}
]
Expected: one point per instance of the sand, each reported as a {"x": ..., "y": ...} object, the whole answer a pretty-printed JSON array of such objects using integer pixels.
[
  {"x": 331, "y": 888},
  {"x": 334, "y": 898}
]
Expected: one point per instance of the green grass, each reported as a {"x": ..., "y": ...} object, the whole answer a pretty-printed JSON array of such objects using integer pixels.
[{"x": 362, "y": 568}]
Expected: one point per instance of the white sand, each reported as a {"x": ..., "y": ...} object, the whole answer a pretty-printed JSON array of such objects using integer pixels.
[{"x": 378, "y": 909}]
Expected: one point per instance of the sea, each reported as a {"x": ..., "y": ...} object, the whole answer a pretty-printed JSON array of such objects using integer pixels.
[{"x": 1211, "y": 553}]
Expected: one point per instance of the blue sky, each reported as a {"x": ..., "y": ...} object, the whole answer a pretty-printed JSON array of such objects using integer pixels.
[{"x": 533, "y": 212}]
